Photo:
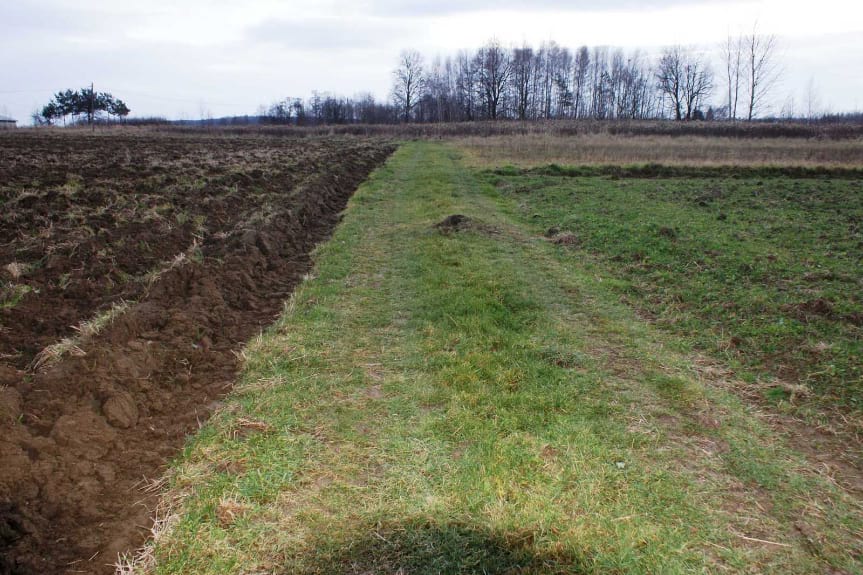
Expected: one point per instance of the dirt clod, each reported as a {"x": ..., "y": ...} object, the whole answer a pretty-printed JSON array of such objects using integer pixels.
[
  {"x": 85, "y": 432},
  {"x": 10, "y": 405},
  {"x": 819, "y": 306},
  {"x": 12, "y": 528},
  {"x": 667, "y": 232},
  {"x": 566, "y": 239},
  {"x": 9, "y": 375},
  {"x": 120, "y": 410},
  {"x": 805, "y": 311}
]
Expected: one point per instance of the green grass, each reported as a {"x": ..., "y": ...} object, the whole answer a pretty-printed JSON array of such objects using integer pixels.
[
  {"x": 758, "y": 268},
  {"x": 472, "y": 402},
  {"x": 12, "y": 293}
]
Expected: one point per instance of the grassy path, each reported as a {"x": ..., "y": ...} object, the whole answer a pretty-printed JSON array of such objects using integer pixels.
[{"x": 465, "y": 401}]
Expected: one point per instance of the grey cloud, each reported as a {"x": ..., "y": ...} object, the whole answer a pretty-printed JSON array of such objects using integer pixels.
[
  {"x": 448, "y": 7},
  {"x": 28, "y": 17},
  {"x": 328, "y": 33},
  {"x": 37, "y": 25}
]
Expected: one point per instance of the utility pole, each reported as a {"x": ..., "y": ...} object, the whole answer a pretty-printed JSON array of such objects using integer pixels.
[{"x": 92, "y": 105}]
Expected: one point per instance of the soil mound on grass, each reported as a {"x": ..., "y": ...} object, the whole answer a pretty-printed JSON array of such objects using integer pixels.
[
  {"x": 454, "y": 223},
  {"x": 461, "y": 223}
]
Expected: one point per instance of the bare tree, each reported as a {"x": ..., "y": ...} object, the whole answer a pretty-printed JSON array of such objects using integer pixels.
[
  {"x": 813, "y": 102},
  {"x": 495, "y": 67},
  {"x": 582, "y": 64},
  {"x": 732, "y": 55},
  {"x": 548, "y": 62},
  {"x": 598, "y": 82},
  {"x": 564, "y": 98},
  {"x": 669, "y": 78},
  {"x": 762, "y": 69},
  {"x": 555, "y": 81},
  {"x": 408, "y": 81},
  {"x": 631, "y": 87},
  {"x": 788, "y": 110},
  {"x": 523, "y": 61},
  {"x": 685, "y": 80},
  {"x": 466, "y": 86},
  {"x": 697, "y": 85},
  {"x": 452, "y": 98},
  {"x": 437, "y": 92}
]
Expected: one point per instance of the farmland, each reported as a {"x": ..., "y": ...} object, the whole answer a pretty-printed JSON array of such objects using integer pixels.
[
  {"x": 462, "y": 388},
  {"x": 133, "y": 269},
  {"x": 763, "y": 268},
  {"x": 522, "y": 353}
]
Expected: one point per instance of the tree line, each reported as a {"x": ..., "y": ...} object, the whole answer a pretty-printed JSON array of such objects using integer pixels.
[
  {"x": 326, "y": 108},
  {"x": 524, "y": 82},
  {"x": 554, "y": 82}
]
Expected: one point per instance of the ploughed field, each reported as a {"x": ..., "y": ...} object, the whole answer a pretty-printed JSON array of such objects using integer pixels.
[{"x": 132, "y": 269}]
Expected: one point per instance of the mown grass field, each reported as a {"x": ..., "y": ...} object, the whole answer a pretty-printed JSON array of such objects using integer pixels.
[{"x": 495, "y": 396}]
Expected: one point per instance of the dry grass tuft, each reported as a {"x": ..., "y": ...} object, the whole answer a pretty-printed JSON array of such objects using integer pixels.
[
  {"x": 229, "y": 510},
  {"x": 88, "y": 329},
  {"x": 72, "y": 345},
  {"x": 15, "y": 270},
  {"x": 264, "y": 384},
  {"x": 143, "y": 561},
  {"x": 245, "y": 426},
  {"x": 165, "y": 519},
  {"x": 181, "y": 259},
  {"x": 794, "y": 390}
]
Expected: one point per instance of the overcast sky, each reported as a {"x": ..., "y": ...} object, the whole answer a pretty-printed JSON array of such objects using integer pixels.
[{"x": 190, "y": 58}]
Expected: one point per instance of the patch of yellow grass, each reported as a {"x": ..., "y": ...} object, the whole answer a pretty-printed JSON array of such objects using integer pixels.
[
  {"x": 86, "y": 330},
  {"x": 530, "y": 150}
]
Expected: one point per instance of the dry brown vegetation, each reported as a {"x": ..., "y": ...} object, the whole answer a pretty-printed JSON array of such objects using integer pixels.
[
  {"x": 567, "y": 128},
  {"x": 532, "y": 150}
]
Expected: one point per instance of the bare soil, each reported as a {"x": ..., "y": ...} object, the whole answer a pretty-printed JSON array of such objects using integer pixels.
[{"x": 84, "y": 219}]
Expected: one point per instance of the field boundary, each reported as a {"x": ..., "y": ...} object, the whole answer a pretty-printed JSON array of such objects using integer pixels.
[{"x": 654, "y": 171}]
